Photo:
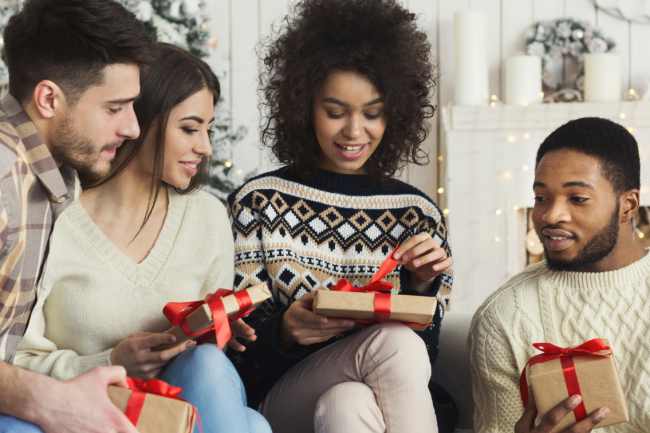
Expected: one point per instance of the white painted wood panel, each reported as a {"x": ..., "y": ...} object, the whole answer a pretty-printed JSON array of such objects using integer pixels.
[{"x": 241, "y": 24}]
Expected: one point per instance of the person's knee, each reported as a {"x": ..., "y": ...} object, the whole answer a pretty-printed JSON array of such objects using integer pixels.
[
  {"x": 399, "y": 344},
  {"x": 346, "y": 406},
  {"x": 256, "y": 422},
  {"x": 205, "y": 357}
]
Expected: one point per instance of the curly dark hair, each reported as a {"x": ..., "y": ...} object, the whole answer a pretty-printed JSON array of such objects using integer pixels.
[{"x": 376, "y": 38}]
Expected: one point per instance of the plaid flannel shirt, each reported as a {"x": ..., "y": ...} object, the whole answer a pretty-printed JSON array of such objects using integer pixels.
[{"x": 33, "y": 191}]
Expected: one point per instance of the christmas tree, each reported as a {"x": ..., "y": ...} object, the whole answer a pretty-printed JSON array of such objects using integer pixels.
[{"x": 182, "y": 23}]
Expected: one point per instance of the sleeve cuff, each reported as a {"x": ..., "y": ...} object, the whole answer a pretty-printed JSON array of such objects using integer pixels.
[
  {"x": 86, "y": 363},
  {"x": 407, "y": 289},
  {"x": 269, "y": 334}
]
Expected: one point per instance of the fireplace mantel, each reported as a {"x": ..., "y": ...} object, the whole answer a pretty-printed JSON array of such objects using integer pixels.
[{"x": 490, "y": 171}]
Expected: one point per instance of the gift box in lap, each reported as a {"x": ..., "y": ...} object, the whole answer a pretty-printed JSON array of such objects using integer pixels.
[
  {"x": 414, "y": 311},
  {"x": 157, "y": 414}
]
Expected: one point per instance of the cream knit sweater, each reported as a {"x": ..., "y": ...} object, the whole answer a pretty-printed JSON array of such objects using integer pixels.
[
  {"x": 565, "y": 309},
  {"x": 94, "y": 296}
]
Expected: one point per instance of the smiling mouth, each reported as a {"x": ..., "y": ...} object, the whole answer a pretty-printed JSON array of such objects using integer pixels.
[{"x": 351, "y": 150}]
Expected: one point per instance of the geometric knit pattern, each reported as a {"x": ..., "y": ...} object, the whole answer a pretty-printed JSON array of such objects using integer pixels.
[
  {"x": 302, "y": 239},
  {"x": 302, "y": 235},
  {"x": 565, "y": 309}
]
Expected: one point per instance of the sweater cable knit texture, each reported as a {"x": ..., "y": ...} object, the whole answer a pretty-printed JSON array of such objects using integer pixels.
[{"x": 565, "y": 309}]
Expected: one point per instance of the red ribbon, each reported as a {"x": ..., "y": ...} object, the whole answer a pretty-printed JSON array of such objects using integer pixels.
[
  {"x": 140, "y": 390},
  {"x": 566, "y": 354},
  {"x": 177, "y": 313},
  {"x": 382, "y": 302}
]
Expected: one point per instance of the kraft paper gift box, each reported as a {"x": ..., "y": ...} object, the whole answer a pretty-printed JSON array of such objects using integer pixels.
[
  {"x": 414, "y": 311},
  {"x": 599, "y": 385},
  {"x": 201, "y": 319},
  {"x": 158, "y": 414}
]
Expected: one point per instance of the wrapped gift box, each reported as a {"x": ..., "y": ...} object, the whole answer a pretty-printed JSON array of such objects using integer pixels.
[
  {"x": 201, "y": 319},
  {"x": 159, "y": 414},
  {"x": 414, "y": 311},
  {"x": 599, "y": 382}
]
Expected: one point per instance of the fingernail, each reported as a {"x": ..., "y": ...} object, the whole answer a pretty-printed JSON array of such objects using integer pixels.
[
  {"x": 405, "y": 257},
  {"x": 171, "y": 339},
  {"x": 397, "y": 255},
  {"x": 416, "y": 262},
  {"x": 436, "y": 267},
  {"x": 602, "y": 414},
  {"x": 190, "y": 343},
  {"x": 575, "y": 400}
]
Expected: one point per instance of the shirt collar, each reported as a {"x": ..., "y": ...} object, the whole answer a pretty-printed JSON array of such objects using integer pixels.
[{"x": 35, "y": 151}]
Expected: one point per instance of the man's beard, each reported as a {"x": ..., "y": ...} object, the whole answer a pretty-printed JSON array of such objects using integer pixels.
[
  {"x": 596, "y": 249},
  {"x": 77, "y": 151}
]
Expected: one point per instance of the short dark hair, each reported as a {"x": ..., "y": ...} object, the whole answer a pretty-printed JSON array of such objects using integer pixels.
[
  {"x": 379, "y": 39},
  {"x": 611, "y": 144},
  {"x": 70, "y": 42},
  {"x": 177, "y": 75}
]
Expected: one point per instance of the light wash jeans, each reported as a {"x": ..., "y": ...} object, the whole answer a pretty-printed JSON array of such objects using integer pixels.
[{"x": 209, "y": 381}]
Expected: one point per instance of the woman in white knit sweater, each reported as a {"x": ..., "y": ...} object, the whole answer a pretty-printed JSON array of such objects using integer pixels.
[{"x": 144, "y": 237}]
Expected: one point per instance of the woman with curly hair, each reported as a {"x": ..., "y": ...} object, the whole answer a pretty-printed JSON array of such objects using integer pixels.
[{"x": 347, "y": 88}]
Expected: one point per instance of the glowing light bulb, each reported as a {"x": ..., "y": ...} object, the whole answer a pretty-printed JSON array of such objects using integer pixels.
[
  {"x": 507, "y": 175},
  {"x": 526, "y": 136},
  {"x": 493, "y": 104},
  {"x": 495, "y": 98},
  {"x": 511, "y": 138},
  {"x": 441, "y": 190},
  {"x": 622, "y": 116},
  {"x": 239, "y": 172},
  {"x": 445, "y": 211},
  {"x": 440, "y": 158},
  {"x": 497, "y": 239},
  {"x": 641, "y": 235},
  {"x": 632, "y": 92},
  {"x": 525, "y": 168},
  {"x": 498, "y": 212},
  {"x": 630, "y": 130},
  {"x": 515, "y": 207},
  {"x": 228, "y": 164},
  {"x": 541, "y": 94}
]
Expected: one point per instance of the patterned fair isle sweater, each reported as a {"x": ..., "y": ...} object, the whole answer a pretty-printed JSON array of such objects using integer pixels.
[{"x": 299, "y": 236}]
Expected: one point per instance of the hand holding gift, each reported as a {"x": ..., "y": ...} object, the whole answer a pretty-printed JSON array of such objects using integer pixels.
[
  {"x": 373, "y": 302},
  {"x": 154, "y": 406},
  {"x": 212, "y": 317},
  {"x": 575, "y": 386}
]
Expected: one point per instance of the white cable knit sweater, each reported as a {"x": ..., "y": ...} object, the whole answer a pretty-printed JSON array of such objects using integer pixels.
[
  {"x": 94, "y": 296},
  {"x": 566, "y": 309}
]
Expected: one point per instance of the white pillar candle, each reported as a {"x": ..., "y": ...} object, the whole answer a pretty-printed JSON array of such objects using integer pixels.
[
  {"x": 523, "y": 80},
  {"x": 602, "y": 77},
  {"x": 470, "y": 58}
]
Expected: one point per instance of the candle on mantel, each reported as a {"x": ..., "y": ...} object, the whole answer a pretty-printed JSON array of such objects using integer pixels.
[
  {"x": 523, "y": 80},
  {"x": 470, "y": 58},
  {"x": 602, "y": 77}
]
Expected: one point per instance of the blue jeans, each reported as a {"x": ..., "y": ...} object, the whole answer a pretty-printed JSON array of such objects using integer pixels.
[
  {"x": 9, "y": 424},
  {"x": 211, "y": 383}
]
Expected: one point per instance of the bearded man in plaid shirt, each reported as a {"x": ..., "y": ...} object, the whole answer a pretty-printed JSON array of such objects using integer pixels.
[{"x": 74, "y": 71}]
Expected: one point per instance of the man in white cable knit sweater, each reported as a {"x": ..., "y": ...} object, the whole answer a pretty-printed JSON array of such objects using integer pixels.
[{"x": 595, "y": 282}]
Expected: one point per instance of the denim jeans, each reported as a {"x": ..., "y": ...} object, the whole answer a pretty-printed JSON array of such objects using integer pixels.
[
  {"x": 12, "y": 425},
  {"x": 209, "y": 381}
]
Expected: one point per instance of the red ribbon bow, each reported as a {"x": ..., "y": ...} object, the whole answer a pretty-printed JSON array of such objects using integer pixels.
[
  {"x": 177, "y": 313},
  {"x": 152, "y": 386},
  {"x": 379, "y": 288},
  {"x": 566, "y": 354}
]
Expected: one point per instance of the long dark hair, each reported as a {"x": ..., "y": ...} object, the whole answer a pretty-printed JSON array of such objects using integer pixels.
[{"x": 177, "y": 76}]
